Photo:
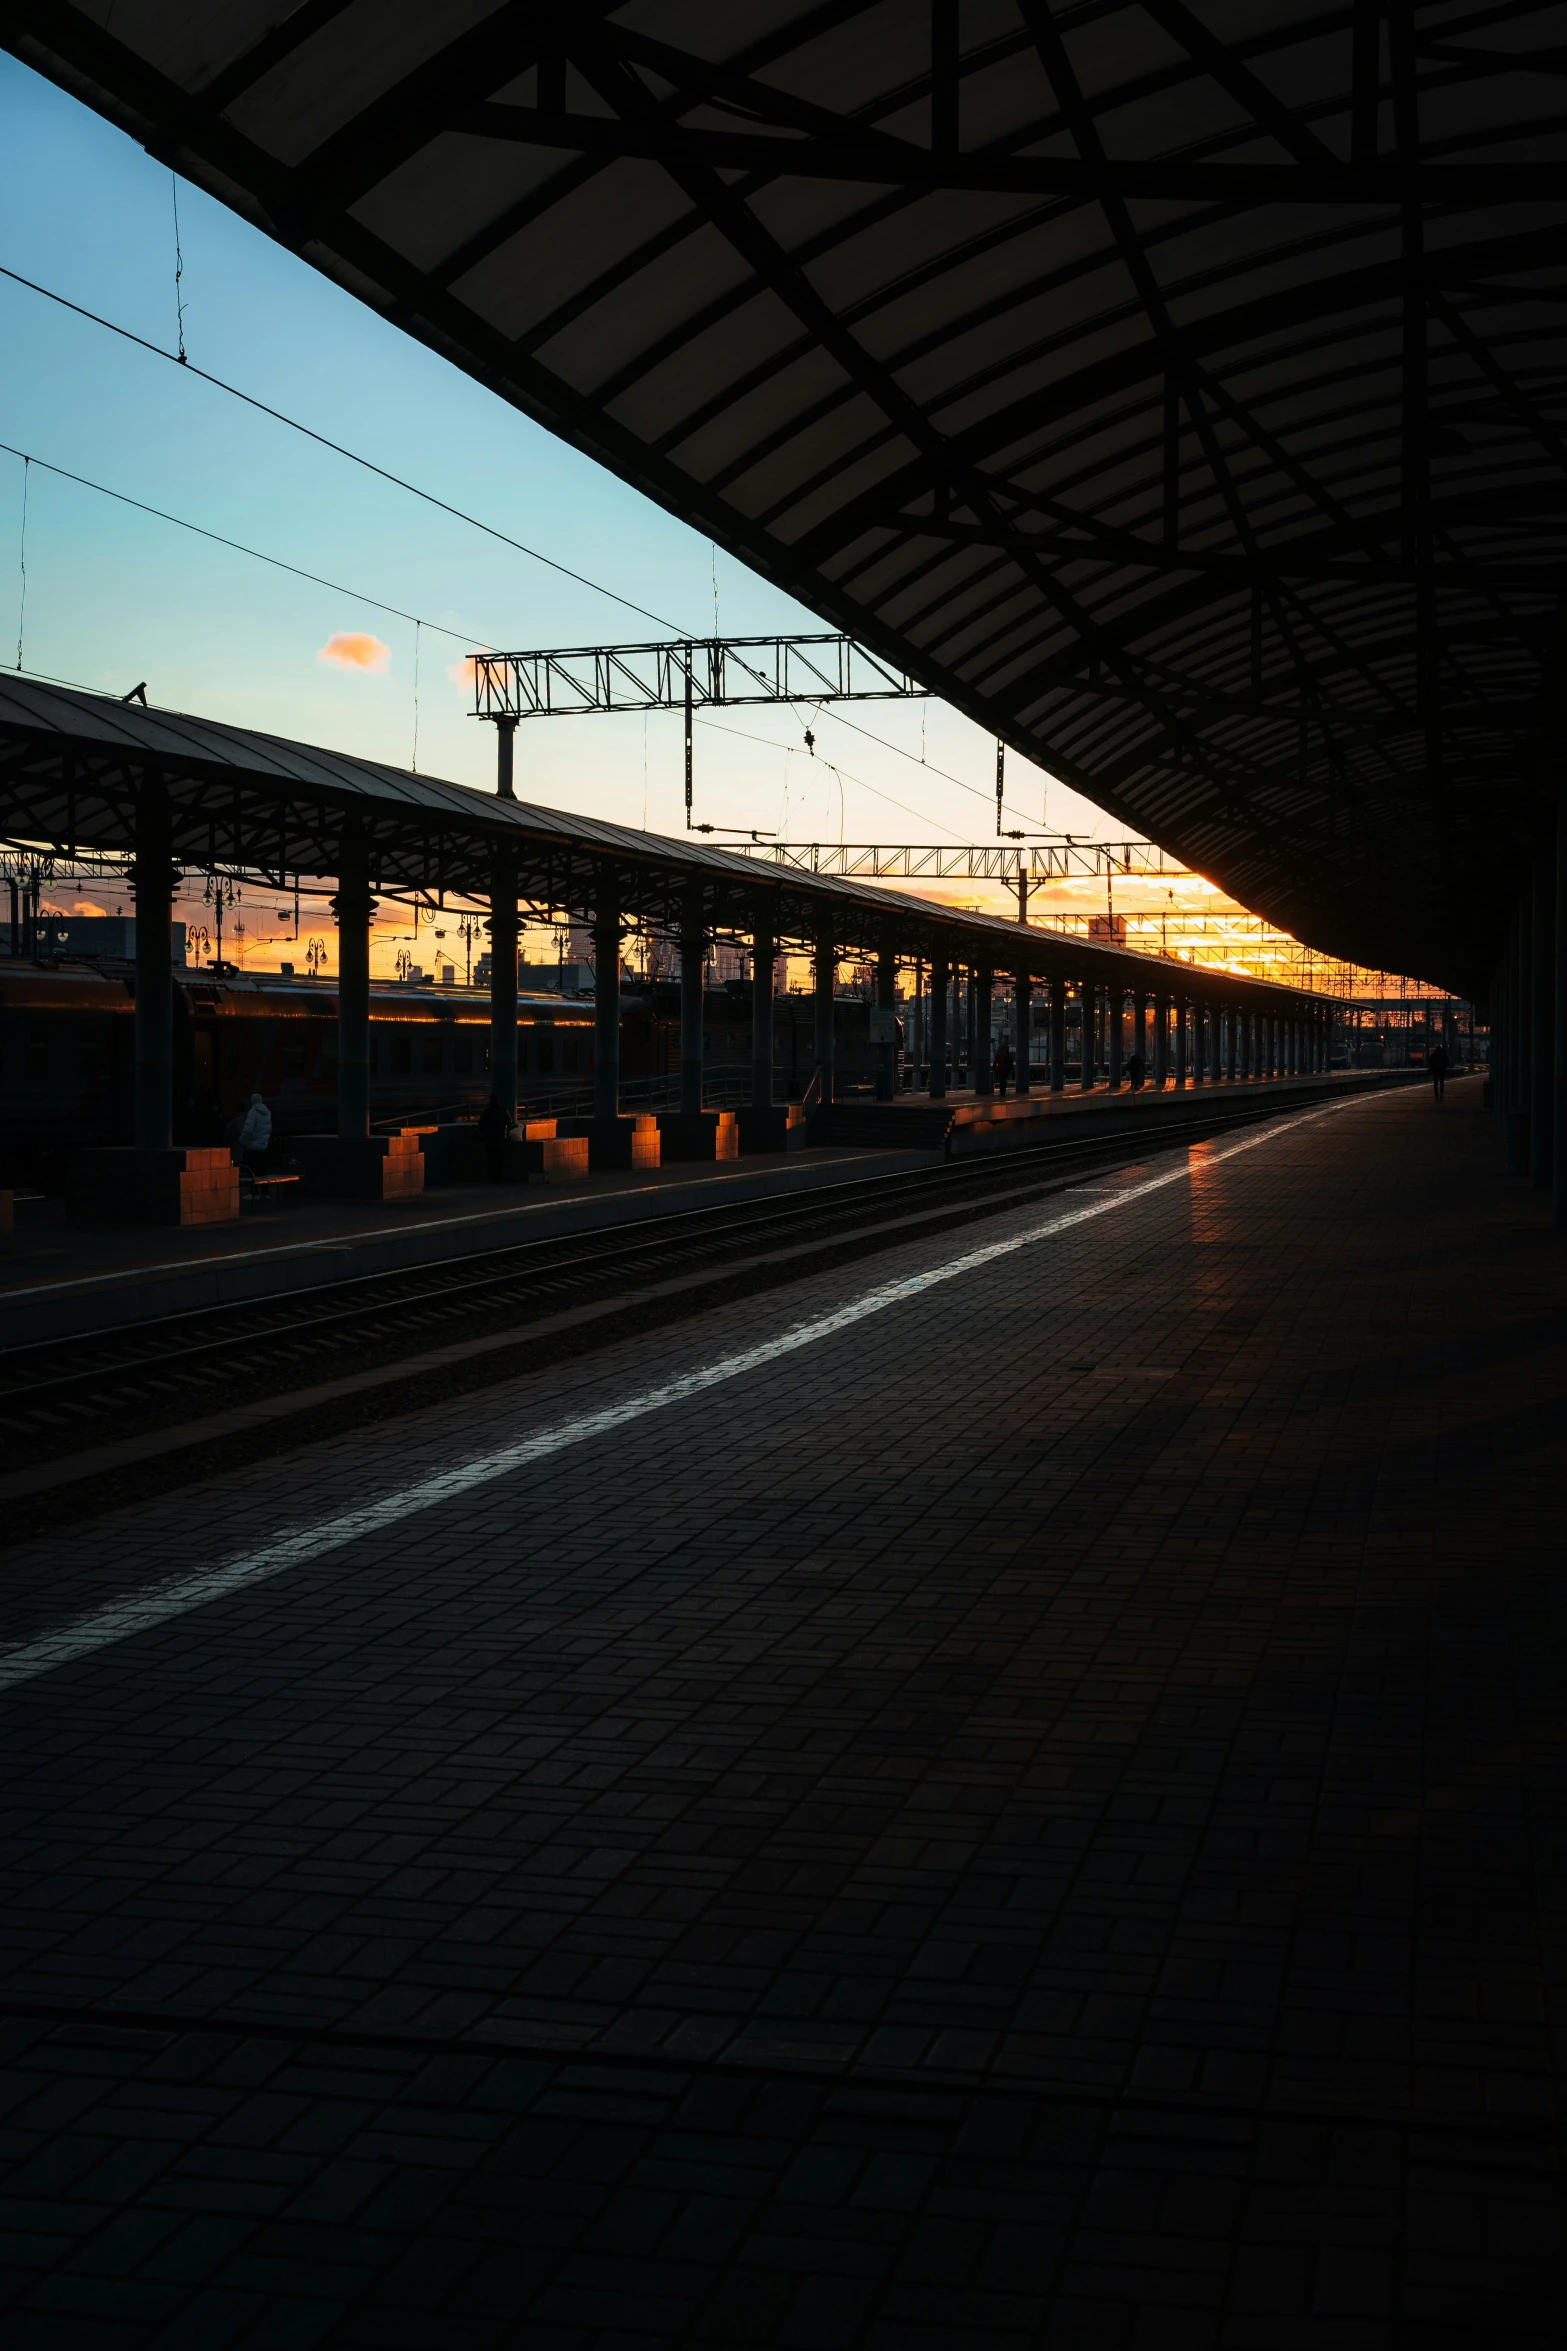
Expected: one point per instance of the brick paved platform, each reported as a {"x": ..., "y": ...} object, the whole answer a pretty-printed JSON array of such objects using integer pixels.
[{"x": 1029, "y": 1813}]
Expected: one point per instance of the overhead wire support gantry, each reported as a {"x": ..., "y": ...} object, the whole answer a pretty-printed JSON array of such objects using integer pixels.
[{"x": 682, "y": 673}]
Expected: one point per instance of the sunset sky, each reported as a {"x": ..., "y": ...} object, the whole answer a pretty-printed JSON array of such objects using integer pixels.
[{"x": 113, "y": 595}]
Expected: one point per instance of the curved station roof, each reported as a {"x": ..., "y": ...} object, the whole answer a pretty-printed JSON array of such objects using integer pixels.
[
  {"x": 1174, "y": 388},
  {"x": 73, "y": 766}
]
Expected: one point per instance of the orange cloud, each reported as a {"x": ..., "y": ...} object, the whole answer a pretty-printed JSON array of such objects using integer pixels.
[
  {"x": 351, "y": 649},
  {"x": 463, "y": 673}
]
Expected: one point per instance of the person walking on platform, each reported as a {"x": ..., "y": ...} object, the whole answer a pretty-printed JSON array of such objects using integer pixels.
[
  {"x": 1436, "y": 1063},
  {"x": 1001, "y": 1068},
  {"x": 493, "y": 1129},
  {"x": 1136, "y": 1070},
  {"x": 255, "y": 1136}
]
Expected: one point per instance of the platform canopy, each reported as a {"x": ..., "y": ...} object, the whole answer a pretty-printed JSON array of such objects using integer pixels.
[
  {"x": 75, "y": 771},
  {"x": 1177, "y": 389}
]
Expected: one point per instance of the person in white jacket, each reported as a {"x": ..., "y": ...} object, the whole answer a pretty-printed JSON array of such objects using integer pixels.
[{"x": 255, "y": 1134}]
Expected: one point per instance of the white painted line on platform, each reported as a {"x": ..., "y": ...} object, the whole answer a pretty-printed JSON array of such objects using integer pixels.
[{"x": 123, "y": 1618}]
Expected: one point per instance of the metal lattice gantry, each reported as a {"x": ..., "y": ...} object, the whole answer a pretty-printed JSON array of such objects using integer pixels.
[
  {"x": 680, "y": 675},
  {"x": 1178, "y": 390},
  {"x": 671, "y": 675}
]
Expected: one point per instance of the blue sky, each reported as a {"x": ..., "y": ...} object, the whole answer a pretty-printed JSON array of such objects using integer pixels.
[{"x": 114, "y": 596}]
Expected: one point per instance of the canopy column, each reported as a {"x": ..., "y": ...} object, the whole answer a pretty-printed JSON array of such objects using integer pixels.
[
  {"x": 503, "y": 979},
  {"x": 1023, "y": 1028},
  {"x": 1117, "y": 1015},
  {"x": 940, "y": 985},
  {"x": 1161, "y": 1038},
  {"x": 153, "y": 878},
  {"x": 887, "y": 1004},
  {"x": 1085, "y": 1065},
  {"x": 693, "y": 973},
  {"x": 981, "y": 994},
  {"x": 354, "y": 906},
  {"x": 826, "y": 973},
  {"x": 764, "y": 951},
  {"x": 606, "y": 996},
  {"x": 1057, "y": 1033}
]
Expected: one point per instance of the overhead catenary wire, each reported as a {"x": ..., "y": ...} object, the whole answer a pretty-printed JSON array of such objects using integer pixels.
[
  {"x": 339, "y": 449},
  {"x": 237, "y": 546},
  {"x": 429, "y": 498}
]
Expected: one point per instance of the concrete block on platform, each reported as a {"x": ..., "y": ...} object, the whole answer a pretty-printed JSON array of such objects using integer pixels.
[
  {"x": 187, "y": 1185},
  {"x": 614, "y": 1142},
  {"x": 770, "y": 1126},
  {"x": 703, "y": 1134},
  {"x": 453, "y": 1154},
  {"x": 361, "y": 1167}
]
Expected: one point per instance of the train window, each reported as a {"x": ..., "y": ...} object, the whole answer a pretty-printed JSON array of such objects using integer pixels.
[
  {"x": 37, "y": 1057},
  {"x": 430, "y": 1059},
  {"x": 568, "y": 1051},
  {"x": 546, "y": 1044},
  {"x": 462, "y": 1053},
  {"x": 294, "y": 1061},
  {"x": 231, "y": 1057},
  {"x": 402, "y": 1053},
  {"x": 87, "y": 1059}
]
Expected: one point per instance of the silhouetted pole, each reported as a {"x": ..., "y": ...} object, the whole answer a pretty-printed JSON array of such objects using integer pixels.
[
  {"x": 353, "y": 906},
  {"x": 693, "y": 960},
  {"x": 153, "y": 881}
]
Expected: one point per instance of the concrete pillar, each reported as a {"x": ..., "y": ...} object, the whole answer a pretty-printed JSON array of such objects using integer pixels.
[
  {"x": 1117, "y": 1018},
  {"x": 693, "y": 963},
  {"x": 353, "y": 906},
  {"x": 940, "y": 988},
  {"x": 1161, "y": 1038},
  {"x": 764, "y": 948},
  {"x": 981, "y": 992},
  {"x": 1201, "y": 1045},
  {"x": 606, "y": 996},
  {"x": 886, "y": 1001},
  {"x": 955, "y": 1035},
  {"x": 1085, "y": 996},
  {"x": 153, "y": 880},
  {"x": 503, "y": 976},
  {"x": 1542, "y": 993},
  {"x": 826, "y": 973},
  {"x": 1023, "y": 1029},
  {"x": 1179, "y": 1025},
  {"x": 1140, "y": 1028},
  {"x": 1232, "y": 1043},
  {"x": 1057, "y": 1033}
]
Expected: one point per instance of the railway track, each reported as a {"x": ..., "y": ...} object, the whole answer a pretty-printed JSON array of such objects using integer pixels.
[{"x": 60, "y": 1396}]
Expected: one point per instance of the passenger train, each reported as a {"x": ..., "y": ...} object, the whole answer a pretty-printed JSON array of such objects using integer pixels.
[{"x": 67, "y": 1054}]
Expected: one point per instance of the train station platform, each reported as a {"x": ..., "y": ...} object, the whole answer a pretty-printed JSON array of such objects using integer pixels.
[
  {"x": 1011, "y": 1797},
  {"x": 60, "y": 1278}
]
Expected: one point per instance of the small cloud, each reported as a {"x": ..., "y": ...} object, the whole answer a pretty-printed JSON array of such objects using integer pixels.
[
  {"x": 352, "y": 649},
  {"x": 464, "y": 673}
]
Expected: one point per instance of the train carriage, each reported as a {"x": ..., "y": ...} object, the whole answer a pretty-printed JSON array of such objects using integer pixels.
[{"x": 67, "y": 1054}]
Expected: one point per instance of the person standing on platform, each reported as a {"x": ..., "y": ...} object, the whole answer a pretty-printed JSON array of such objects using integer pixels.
[
  {"x": 1436, "y": 1063},
  {"x": 1136, "y": 1070},
  {"x": 255, "y": 1136},
  {"x": 1001, "y": 1068},
  {"x": 493, "y": 1128}
]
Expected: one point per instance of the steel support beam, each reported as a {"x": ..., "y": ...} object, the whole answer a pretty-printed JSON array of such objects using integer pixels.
[{"x": 153, "y": 880}]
